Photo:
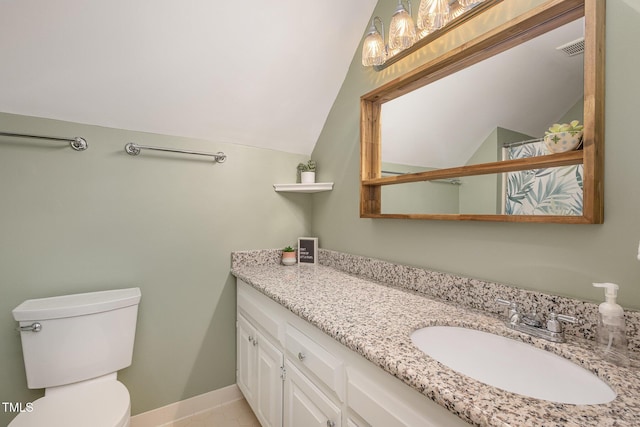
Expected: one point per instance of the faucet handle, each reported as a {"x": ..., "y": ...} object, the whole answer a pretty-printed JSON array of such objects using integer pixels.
[
  {"x": 505, "y": 302},
  {"x": 513, "y": 306},
  {"x": 514, "y": 313},
  {"x": 565, "y": 318},
  {"x": 553, "y": 323}
]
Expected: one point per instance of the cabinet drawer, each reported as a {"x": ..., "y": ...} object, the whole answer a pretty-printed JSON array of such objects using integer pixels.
[
  {"x": 261, "y": 316},
  {"x": 315, "y": 359},
  {"x": 383, "y": 401},
  {"x": 376, "y": 406}
]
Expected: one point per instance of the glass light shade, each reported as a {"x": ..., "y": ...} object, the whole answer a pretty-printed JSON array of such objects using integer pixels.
[
  {"x": 467, "y": 4},
  {"x": 373, "y": 51},
  {"x": 402, "y": 30},
  {"x": 432, "y": 15},
  {"x": 456, "y": 10}
]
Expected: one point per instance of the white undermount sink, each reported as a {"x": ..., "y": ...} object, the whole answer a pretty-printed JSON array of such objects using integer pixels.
[{"x": 512, "y": 365}]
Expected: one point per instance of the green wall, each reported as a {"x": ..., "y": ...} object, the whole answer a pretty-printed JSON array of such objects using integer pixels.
[
  {"x": 422, "y": 197},
  {"x": 554, "y": 258},
  {"x": 481, "y": 194},
  {"x": 101, "y": 219}
]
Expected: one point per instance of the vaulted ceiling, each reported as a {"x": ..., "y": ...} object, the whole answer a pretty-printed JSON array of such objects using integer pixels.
[{"x": 259, "y": 73}]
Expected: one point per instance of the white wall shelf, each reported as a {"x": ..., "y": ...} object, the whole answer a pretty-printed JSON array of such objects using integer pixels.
[{"x": 304, "y": 188}]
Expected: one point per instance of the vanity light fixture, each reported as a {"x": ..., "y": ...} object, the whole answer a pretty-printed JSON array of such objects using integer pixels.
[
  {"x": 374, "y": 51},
  {"x": 433, "y": 15},
  {"x": 402, "y": 30},
  {"x": 457, "y": 9}
]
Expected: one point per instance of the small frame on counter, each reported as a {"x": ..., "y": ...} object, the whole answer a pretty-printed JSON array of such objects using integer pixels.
[{"x": 307, "y": 250}]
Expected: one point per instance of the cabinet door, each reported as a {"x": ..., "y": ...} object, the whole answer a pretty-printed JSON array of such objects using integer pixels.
[
  {"x": 269, "y": 368},
  {"x": 305, "y": 405},
  {"x": 246, "y": 375}
]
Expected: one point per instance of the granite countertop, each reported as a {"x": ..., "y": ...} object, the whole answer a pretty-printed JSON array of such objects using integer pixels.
[{"x": 376, "y": 320}]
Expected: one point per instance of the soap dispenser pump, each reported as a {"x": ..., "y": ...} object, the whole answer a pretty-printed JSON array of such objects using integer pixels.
[{"x": 611, "y": 336}]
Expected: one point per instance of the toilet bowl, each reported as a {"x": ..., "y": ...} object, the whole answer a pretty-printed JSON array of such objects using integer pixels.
[
  {"x": 73, "y": 346},
  {"x": 97, "y": 404}
]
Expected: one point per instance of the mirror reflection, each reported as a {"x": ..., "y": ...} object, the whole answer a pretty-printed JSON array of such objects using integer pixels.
[
  {"x": 453, "y": 121},
  {"x": 549, "y": 191},
  {"x": 495, "y": 110}
]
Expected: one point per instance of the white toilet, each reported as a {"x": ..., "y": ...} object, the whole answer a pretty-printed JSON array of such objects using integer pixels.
[{"x": 73, "y": 346}]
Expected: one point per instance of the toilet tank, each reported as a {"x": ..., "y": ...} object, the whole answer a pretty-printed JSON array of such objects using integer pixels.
[{"x": 81, "y": 336}]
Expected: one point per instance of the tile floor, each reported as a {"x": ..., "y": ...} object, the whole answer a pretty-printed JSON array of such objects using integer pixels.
[{"x": 234, "y": 414}]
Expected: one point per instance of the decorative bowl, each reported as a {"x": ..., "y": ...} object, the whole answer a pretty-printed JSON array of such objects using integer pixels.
[{"x": 560, "y": 142}]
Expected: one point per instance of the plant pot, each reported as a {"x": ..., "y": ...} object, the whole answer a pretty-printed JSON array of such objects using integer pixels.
[
  {"x": 561, "y": 142},
  {"x": 289, "y": 258},
  {"x": 307, "y": 177}
]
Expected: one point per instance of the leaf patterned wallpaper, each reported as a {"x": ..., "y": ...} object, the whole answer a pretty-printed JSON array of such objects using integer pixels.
[{"x": 549, "y": 191}]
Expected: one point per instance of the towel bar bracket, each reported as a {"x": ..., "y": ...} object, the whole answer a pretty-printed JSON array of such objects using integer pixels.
[{"x": 79, "y": 144}]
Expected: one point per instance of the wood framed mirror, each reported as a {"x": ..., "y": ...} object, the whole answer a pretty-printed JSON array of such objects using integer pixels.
[{"x": 583, "y": 165}]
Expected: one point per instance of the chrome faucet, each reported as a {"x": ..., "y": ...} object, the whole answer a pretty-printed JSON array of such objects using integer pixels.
[{"x": 532, "y": 323}]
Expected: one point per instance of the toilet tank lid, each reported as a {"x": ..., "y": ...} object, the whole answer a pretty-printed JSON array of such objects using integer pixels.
[{"x": 76, "y": 305}]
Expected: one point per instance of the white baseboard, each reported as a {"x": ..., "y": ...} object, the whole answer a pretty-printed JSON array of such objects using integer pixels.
[{"x": 185, "y": 408}]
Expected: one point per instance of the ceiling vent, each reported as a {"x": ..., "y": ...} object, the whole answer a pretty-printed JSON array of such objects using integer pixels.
[{"x": 573, "y": 48}]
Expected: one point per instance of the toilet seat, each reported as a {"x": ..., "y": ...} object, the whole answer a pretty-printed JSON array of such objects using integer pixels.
[{"x": 97, "y": 404}]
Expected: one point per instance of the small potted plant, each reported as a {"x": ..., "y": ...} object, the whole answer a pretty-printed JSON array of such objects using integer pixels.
[
  {"x": 289, "y": 256},
  {"x": 563, "y": 137},
  {"x": 307, "y": 172}
]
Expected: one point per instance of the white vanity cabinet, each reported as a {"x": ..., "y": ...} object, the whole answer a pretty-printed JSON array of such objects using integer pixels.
[
  {"x": 305, "y": 404},
  {"x": 314, "y": 385},
  {"x": 246, "y": 370},
  {"x": 259, "y": 373},
  {"x": 321, "y": 382},
  {"x": 315, "y": 361},
  {"x": 375, "y": 402},
  {"x": 260, "y": 364}
]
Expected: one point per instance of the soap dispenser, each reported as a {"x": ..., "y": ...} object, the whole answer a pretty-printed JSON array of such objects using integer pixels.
[{"x": 611, "y": 336}]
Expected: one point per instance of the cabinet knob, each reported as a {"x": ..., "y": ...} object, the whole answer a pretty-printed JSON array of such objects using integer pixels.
[
  {"x": 255, "y": 342},
  {"x": 331, "y": 423},
  {"x": 301, "y": 356},
  {"x": 250, "y": 338}
]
